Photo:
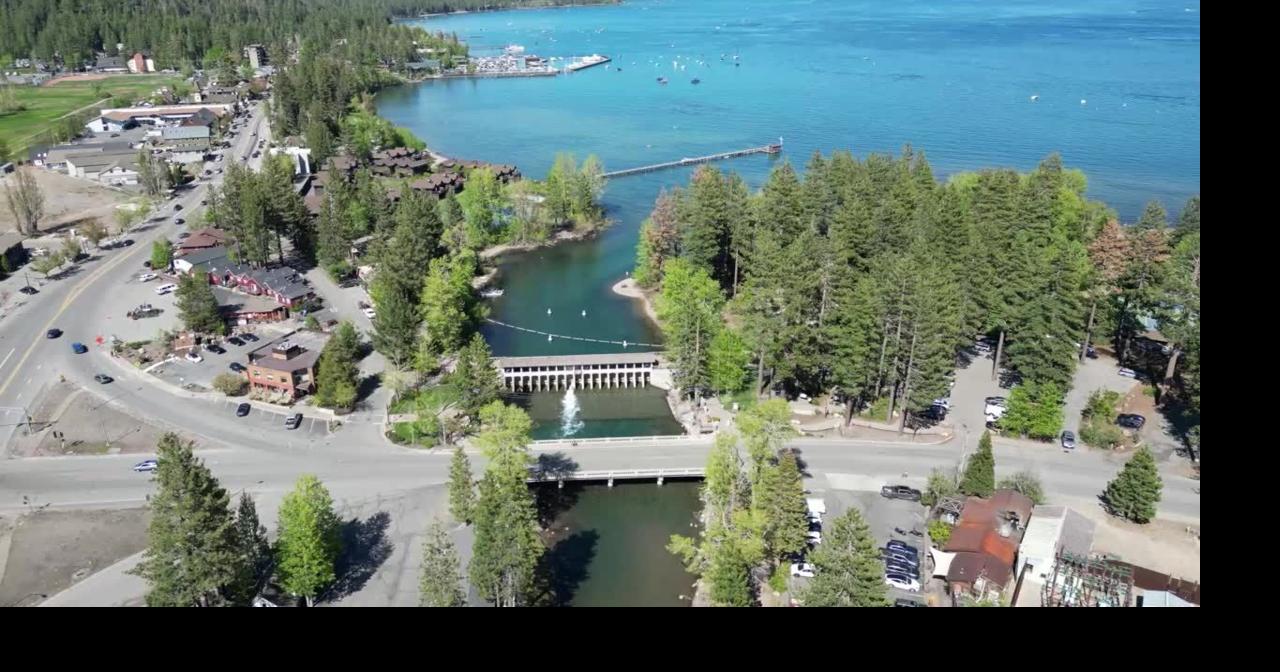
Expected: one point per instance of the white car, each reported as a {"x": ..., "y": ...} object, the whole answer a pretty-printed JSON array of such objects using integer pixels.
[
  {"x": 1127, "y": 373},
  {"x": 813, "y": 536},
  {"x": 145, "y": 466},
  {"x": 802, "y": 569},
  {"x": 147, "y": 277},
  {"x": 944, "y": 402},
  {"x": 194, "y": 356},
  {"x": 165, "y": 289},
  {"x": 902, "y": 582},
  {"x": 369, "y": 313},
  {"x": 993, "y": 412}
]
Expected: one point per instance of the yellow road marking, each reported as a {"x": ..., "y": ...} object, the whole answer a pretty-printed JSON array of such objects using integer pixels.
[{"x": 75, "y": 294}]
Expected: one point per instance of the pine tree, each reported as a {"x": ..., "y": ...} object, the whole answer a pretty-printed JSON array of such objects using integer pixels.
[
  {"x": 1135, "y": 491},
  {"x": 395, "y": 327},
  {"x": 309, "y": 543},
  {"x": 462, "y": 491},
  {"x": 980, "y": 473},
  {"x": 507, "y": 547},
  {"x": 337, "y": 376},
  {"x": 848, "y": 571},
  {"x": 689, "y": 310},
  {"x": 197, "y": 306},
  {"x": 765, "y": 428},
  {"x": 253, "y": 553},
  {"x": 191, "y": 556},
  {"x": 440, "y": 582},
  {"x": 475, "y": 377},
  {"x": 780, "y": 499}
]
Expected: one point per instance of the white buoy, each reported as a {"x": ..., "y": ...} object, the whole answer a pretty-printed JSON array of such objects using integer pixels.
[
  {"x": 624, "y": 344},
  {"x": 584, "y": 313},
  {"x": 1083, "y": 101},
  {"x": 548, "y": 337},
  {"x": 548, "y": 311}
]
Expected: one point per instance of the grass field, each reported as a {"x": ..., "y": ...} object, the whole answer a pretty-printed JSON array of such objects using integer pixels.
[{"x": 44, "y": 104}]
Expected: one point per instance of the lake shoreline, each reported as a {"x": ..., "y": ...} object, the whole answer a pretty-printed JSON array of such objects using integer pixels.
[{"x": 629, "y": 288}]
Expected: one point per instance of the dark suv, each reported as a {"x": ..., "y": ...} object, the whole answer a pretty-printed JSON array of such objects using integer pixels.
[
  {"x": 1131, "y": 421},
  {"x": 900, "y": 492}
]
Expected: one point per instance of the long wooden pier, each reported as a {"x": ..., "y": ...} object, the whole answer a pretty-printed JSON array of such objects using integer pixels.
[{"x": 689, "y": 161}]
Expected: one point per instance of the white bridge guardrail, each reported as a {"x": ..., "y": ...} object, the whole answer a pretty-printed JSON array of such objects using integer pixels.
[
  {"x": 538, "y": 475},
  {"x": 622, "y": 439}
]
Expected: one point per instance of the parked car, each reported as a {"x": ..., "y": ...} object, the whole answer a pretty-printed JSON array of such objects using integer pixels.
[
  {"x": 899, "y": 559},
  {"x": 166, "y": 288},
  {"x": 236, "y": 366},
  {"x": 813, "y": 537},
  {"x": 982, "y": 347},
  {"x": 194, "y": 356},
  {"x": 1091, "y": 352},
  {"x": 1069, "y": 440},
  {"x": 29, "y": 290},
  {"x": 179, "y": 221},
  {"x": 900, "y": 492},
  {"x": 216, "y": 349},
  {"x": 293, "y": 421},
  {"x": 146, "y": 264},
  {"x": 53, "y": 333},
  {"x": 145, "y": 466},
  {"x": 369, "y": 313},
  {"x": 1127, "y": 372},
  {"x": 902, "y": 582},
  {"x": 1131, "y": 420},
  {"x": 900, "y": 602},
  {"x": 897, "y": 546},
  {"x": 944, "y": 402},
  {"x": 903, "y": 569},
  {"x": 147, "y": 277},
  {"x": 235, "y": 340},
  {"x": 995, "y": 401},
  {"x": 177, "y": 207},
  {"x": 103, "y": 378},
  {"x": 79, "y": 348},
  {"x": 242, "y": 410},
  {"x": 184, "y": 235},
  {"x": 802, "y": 569},
  {"x": 249, "y": 337}
]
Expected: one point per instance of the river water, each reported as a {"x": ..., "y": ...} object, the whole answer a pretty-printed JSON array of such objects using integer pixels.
[
  {"x": 1117, "y": 81},
  {"x": 608, "y": 545}
]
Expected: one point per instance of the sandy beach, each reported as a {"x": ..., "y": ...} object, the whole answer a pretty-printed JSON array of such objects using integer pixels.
[{"x": 631, "y": 290}]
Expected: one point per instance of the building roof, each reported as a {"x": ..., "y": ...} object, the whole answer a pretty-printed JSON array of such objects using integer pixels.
[
  {"x": 977, "y": 539},
  {"x": 1151, "y": 580},
  {"x": 969, "y": 567},
  {"x": 1053, "y": 528},
  {"x": 202, "y": 239},
  {"x": 205, "y": 256},
  {"x": 311, "y": 344},
  {"x": 562, "y": 360},
  {"x": 196, "y": 132},
  {"x": 236, "y": 303},
  {"x": 104, "y": 160}
]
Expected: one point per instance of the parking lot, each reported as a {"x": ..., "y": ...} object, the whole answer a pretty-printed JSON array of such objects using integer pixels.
[
  {"x": 198, "y": 376},
  {"x": 884, "y": 516},
  {"x": 131, "y": 294},
  {"x": 271, "y": 420}
]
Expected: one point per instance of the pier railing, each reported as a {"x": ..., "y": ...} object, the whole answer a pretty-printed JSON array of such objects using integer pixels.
[{"x": 690, "y": 161}]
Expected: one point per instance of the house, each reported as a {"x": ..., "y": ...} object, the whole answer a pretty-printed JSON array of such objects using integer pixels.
[
  {"x": 12, "y": 250},
  {"x": 281, "y": 283},
  {"x": 440, "y": 184},
  {"x": 199, "y": 259},
  {"x": 202, "y": 239},
  {"x": 186, "y": 138},
  {"x": 115, "y": 168},
  {"x": 202, "y": 117},
  {"x": 105, "y": 63},
  {"x": 141, "y": 62},
  {"x": 286, "y": 367},
  {"x": 164, "y": 115},
  {"x": 55, "y": 157},
  {"x": 978, "y": 558},
  {"x": 1053, "y": 530},
  {"x": 243, "y": 309},
  {"x": 257, "y": 55},
  {"x": 105, "y": 124}
]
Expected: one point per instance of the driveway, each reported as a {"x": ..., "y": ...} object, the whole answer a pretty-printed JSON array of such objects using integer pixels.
[{"x": 1093, "y": 374}]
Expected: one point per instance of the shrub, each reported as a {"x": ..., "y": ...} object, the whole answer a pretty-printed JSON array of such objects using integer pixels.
[
  {"x": 1026, "y": 483},
  {"x": 1102, "y": 404},
  {"x": 939, "y": 532},
  {"x": 230, "y": 384},
  {"x": 1101, "y": 433}
]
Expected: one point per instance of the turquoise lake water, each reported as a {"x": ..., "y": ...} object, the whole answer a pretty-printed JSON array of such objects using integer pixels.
[{"x": 1118, "y": 86}]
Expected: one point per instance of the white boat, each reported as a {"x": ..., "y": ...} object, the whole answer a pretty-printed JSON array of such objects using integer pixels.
[
  {"x": 513, "y": 49},
  {"x": 491, "y": 293}
]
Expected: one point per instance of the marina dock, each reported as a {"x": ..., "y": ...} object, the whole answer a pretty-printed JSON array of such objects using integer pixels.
[{"x": 774, "y": 148}]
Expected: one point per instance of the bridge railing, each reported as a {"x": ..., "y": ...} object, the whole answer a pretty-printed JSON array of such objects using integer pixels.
[
  {"x": 537, "y": 476},
  {"x": 623, "y": 439}
]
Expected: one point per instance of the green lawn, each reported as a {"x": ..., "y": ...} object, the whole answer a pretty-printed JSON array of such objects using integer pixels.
[{"x": 46, "y": 103}]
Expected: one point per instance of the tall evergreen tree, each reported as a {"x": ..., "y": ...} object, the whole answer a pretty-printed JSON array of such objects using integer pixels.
[
  {"x": 337, "y": 375},
  {"x": 689, "y": 309},
  {"x": 1135, "y": 491},
  {"x": 462, "y": 491},
  {"x": 848, "y": 571},
  {"x": 309, "y": 542},
  {"x": 475, "y": 377},
  {"x": 979, "y": 478},
  {"x": 253, "y": 553},
  {"x": 395, "y": 328},
  {"x": 440, "y": 579},
  {"x": 198, "y": 307},
  {"x": 507, "y": 548},
  {"x": 191, "y": 556}
]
